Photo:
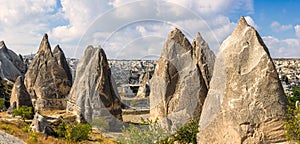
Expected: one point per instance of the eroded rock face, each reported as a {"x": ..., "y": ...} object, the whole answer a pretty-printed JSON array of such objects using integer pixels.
[
  {"x": 48, "y": 79},
  {"x": 93, "y": 94},
  {"x": 40, "y": 124},
  {"x": 19, "y": 95},
  {"x": 11, "y": 65},
  {"x": 144, "y": 89},
  {"x": 177, "y": 88},
  {"x": 245, "y": 102},
  {"x": 204, "y": 57}
]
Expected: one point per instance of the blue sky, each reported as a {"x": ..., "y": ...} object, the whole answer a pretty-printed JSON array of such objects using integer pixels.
[{"x": 129, "y": 29}]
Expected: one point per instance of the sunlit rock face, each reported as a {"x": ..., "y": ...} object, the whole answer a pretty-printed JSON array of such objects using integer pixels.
[
  {"x": 93, "y": 94},
  {"x": 48, "y": 79},
  {"x": 245, "y": 102},
  {"x": 177, "y": 88},
  {"x": 11, "y": 65}
]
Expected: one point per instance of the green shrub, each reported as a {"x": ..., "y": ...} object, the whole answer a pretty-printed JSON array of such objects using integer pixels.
[
  {"x": 26, "y": 128},
  {"x": 292, "y": 123},
  {"x": 80, "y": 132},
  {"x": 25, "y": 112},
  {"x": 187, "y": 133},
  {"x": 33, "y": 137},
  {"x": 61, "y": 130},
  {"x": 147, "y": 132},
  {"x": 2, "y": 103}
]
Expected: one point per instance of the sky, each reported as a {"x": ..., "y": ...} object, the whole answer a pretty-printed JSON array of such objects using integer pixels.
[{"x": 137, "y": 29}]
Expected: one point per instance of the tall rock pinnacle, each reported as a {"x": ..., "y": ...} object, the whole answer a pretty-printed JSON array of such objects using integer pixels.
[
  {"x": 93, "y": 94},
  {"x": 48, "y": 78},
  {"x": 177, "y": 88},
  {"x": 204, "y": 57},
  {"x": 11, "y": 65},
  {"x": 246, "y": 102}
]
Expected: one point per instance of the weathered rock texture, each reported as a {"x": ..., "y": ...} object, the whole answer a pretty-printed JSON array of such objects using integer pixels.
[
  {"x": 144, "y": 89},
  {"x": 48, "y": 79},
  {"x": 245, "y": 102},
  {"x": 177, "y": 88},
  {"x": 93, "y": 94},
  {"x": 40, "y": 124},
  {"x": 11, "y": 65},
  {"x": 204, "y": 57},
  {"x": 19, "y": 95}
]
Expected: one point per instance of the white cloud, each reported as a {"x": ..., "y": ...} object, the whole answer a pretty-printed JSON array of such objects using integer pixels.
[
  {"x": 297, "y": 29},
  {"x": 251, "y": 22},
  {"x": 277, "y": 27},
  {"x": 282, "y": 48}
]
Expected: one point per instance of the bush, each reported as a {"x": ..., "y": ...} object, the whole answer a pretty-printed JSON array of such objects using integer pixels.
[
  {"x": 147, "y": 132},
  {"x": 2, "y": 103},
  {"x": 187, "y": 133},
  {"x": 25, "y": 112},
  {"x": 80, "y": 132},
  {"x": 292, "y": 124}
]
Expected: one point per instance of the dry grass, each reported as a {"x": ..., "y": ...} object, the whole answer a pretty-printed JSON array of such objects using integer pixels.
[{"x": 16, "y": 128}]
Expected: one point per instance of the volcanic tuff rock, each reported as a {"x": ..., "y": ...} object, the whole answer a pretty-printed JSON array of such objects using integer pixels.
[
  {"x": 245, "y": 102},
  {"x": 40, "y": 124},
  {"x": 19, "y": 95},
  {"x": 177, "y": 88},
  {"x": 11, "y": 65},
  {"x": 204, "y": 57},
  {"x": 144, "y": 89},
  {"x": 93, "y": 94},
  {"x": 48, "y": 79}
]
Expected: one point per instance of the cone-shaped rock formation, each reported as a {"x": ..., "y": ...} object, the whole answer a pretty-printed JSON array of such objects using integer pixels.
[
  {"x": 204, "y": 57},
  {"x": 11, "y": 65},
  {"x": 245, "y": 102},
  {"x": 177, "y": 88},
  {"x": 19, "y": 95},
  {"x": 93, "y": 94},
  {"x": 48, "y": 79}
]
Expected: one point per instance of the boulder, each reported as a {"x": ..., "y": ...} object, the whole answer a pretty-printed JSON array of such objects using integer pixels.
[
  {"x": 19, "y": 95},
  {"x": 177, "y": 88},
  {"x": 204, "y": 57},
  {"x": 11, "y": 65},
  {"x": 93, "y": 94},
  {"x": 48, "y": 79},
  {"x": 246, "y": 102},
  {"x": 40, "y": 124}
]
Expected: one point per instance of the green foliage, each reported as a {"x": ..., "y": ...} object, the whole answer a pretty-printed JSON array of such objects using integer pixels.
[
  {"x": 26, "y": 128},
  {"x": 25, "y": 112},
  {"x": 61, "y": 130},
  {"x": 292, "y": 124},
  {"x": 187, "y": 133},
  {"x": 147, "y": 132},
  {"x": 2, "y": 103},
  {"x": 101, "y": 124},
  {"x": 33, "y": 137},
  {"x": 73, "y": 133},
  {"x": 80, "y": 132}
]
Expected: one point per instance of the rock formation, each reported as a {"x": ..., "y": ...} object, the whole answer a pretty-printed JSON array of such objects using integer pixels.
[
  {"x": 40, "y": 124},
  {"x": 93, "y": 94},
  {"x": 204, "y": 57},
  {"x": 177, "y": 88},
  {"x": 48, "y": 79},
  {"x": 144, "y": 89},
  {"x": 19, "y": 95},
  {"x": 245, "y": 102},
  {"x": 11, "y": 65}
]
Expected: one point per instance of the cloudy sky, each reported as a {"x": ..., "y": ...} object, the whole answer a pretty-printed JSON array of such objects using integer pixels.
[{"x": 128, "y": 29}]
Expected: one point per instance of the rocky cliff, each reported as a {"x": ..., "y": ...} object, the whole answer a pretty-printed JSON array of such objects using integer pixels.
[
  {"x": 93, "y": 94},
  {"x": 11, "y": 65},
  {"x": 245, "y": 102},
  {"x": 48, "y": 79},
  {"x": 177, "y": 88}
]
